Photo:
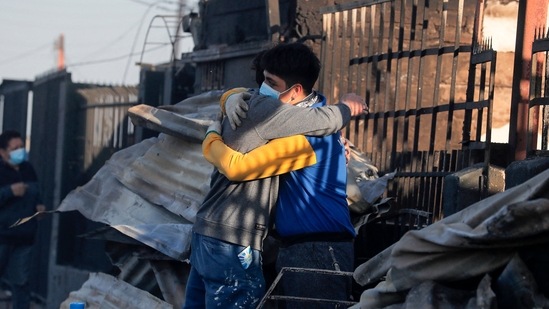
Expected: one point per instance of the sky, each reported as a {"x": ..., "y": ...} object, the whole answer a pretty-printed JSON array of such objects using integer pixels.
[{"x": 103, "y": 39}]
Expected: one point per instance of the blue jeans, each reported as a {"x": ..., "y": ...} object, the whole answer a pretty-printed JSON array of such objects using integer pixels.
[
  {"x": 218, "y": 279},
  {"x": 317, "y": 255},
  {"x": 15, "y": 262}
]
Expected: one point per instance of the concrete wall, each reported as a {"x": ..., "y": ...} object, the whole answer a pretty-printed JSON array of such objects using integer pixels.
[
  {"x": 464, "y": 188},
  {"x": 519, "y": 171},
  {"x": 461, "y": 189}
]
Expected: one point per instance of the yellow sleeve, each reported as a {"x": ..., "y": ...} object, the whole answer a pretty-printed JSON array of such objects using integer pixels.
[
  {"x": 227, "y": 94},
  {"x": 279, "y": 156}
]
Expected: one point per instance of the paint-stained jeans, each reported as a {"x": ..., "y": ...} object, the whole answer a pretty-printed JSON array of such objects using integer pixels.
[
  {"x": 317, "y": 255},
  {"x": 218, "y": 279},
  {"x": 15, "y": 262}
]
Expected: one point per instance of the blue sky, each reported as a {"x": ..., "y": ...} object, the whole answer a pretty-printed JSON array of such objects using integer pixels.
[{"x": 103, "y": 38}]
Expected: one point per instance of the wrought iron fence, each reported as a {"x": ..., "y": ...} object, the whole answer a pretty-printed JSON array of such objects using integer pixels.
[{"x": 429, "y": 90}]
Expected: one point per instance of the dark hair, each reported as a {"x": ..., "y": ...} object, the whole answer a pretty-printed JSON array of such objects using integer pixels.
[
  {"x": 256, "y": 66},
  {"x": 295, "y": 63},
  {"x": 7, "y": 136}
]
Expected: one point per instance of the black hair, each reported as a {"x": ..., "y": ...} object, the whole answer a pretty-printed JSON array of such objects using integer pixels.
[
  {"x": 6, "y": 137},
  {"x": 295, "y": 63},
  {"x": 256, "y": 66}
]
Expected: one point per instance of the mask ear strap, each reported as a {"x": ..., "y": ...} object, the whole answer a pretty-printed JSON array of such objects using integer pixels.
[{"x": 294, "y": 88}]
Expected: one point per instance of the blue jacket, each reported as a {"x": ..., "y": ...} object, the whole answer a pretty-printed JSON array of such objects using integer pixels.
[{"x": 312, "y": 200}]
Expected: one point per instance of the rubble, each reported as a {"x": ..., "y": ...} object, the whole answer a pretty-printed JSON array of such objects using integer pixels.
[{"x": 494, "y": 253}]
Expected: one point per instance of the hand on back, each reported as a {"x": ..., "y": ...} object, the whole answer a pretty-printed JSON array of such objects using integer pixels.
[{"x": 236, "y": 108}]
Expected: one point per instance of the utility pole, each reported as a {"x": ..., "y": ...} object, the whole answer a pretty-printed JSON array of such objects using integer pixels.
[{"x": 178, "y": 28}]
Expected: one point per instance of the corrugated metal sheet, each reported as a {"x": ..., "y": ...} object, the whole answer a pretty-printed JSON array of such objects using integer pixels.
[
  {"x": 108, "y": 94},
  {"x": 104, "y": 291},
  {"x": 151, "y": 191}
]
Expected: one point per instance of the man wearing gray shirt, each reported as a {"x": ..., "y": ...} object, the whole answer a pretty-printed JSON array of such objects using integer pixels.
[{"x": 233, "y": 220}]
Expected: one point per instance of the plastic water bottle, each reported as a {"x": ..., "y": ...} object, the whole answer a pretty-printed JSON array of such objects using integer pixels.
[{"x": 77, "y": 305}]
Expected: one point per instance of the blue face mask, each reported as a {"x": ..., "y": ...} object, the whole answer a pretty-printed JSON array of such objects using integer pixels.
[
  {"x": 17, "y": 156},
  {"x": 268, "y": 91}
]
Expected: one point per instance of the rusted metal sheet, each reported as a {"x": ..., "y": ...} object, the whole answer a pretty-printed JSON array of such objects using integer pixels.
[{"x": 409, "y": 59}]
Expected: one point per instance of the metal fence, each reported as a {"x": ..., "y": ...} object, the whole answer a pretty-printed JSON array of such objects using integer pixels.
[
  {"x": 429, "y": 86},
  {"x": 107, "y": 126},
  {"x": 15, "y": 102},
  {"x": 75, "y": 129},
  {"x": 538, "y": 109}
]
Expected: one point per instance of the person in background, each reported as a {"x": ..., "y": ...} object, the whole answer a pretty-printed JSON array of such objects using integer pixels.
[
  {"x": 312, "y": 219},
  {"x": 232, "y": 222},
  {"x": 19, "y": 198}
]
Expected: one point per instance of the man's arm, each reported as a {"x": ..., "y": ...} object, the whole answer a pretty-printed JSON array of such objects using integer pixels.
[
  {"x": 287, "y": 120},
  {"x": 9, "y": 191},
  {"x": 281, "y": 120},
  {"x": 277, "y": 157}
]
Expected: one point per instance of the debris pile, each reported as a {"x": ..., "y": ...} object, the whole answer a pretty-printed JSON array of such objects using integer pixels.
[{"x": 493, "y": 254}]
